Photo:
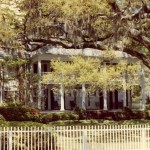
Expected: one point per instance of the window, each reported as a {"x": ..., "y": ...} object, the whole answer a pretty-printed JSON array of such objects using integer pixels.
[
  {"x": 44, "y": 68},
  {"x": 35, "y": 68}
]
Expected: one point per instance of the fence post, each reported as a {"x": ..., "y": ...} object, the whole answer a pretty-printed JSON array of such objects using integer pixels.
[
  {"x": 84, "y": 140},
  {"x": 143, "y": 139},
  {"x": 10, "y": 140},
  {"x": 0, "y": 138}
]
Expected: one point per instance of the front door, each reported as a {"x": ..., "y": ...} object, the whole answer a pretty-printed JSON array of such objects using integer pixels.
[{"x": 55, "y": 100}]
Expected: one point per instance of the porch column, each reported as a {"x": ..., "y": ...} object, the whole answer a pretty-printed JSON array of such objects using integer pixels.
[
  {"x": 129, "y": 98},
  {"x": 124, "y": 90},
  {"x": 113, "y": 94},
  {"x": 143, "y": 86},
  {"x": 105, "y": 99},
  {"x": 62, "y": 91},
  {"x": 49, "y": 99},
  {"x": 1, "y": 98},
  {"x": 39, "y": 84},
  {"x": 31, "y": 94},
  {"x": 105, "y": 94},
  {"x": 83, "y": 96}
]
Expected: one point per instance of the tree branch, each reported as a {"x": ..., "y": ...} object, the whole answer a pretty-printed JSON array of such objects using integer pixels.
[
  {"x": 137, "y": 36},
  {"x": 138, "y": 55},
  {"x": 145, "y": 8}
]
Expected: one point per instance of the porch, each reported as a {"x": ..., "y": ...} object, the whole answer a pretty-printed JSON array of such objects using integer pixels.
[{"x": 78, "y": 98}]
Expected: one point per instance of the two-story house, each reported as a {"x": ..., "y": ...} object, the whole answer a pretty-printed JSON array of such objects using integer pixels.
[{"x": 46, "y": 99}]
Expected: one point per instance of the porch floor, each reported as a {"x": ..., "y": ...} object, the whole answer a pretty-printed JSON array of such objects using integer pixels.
[
  {"x": 55, "y": 111},
  {"x": 59, "y": 111}
]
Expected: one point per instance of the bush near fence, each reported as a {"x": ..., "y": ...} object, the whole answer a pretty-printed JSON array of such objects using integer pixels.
[
  {"x": 20, "y": 112},
  {"x": 125, "y": 114}
]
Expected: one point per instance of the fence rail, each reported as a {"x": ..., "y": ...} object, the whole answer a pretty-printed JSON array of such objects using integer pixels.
[{"x": 114, "y": 137}]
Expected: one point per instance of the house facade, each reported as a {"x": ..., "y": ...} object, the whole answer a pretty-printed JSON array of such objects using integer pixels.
[{"x": 46, "y": 99}]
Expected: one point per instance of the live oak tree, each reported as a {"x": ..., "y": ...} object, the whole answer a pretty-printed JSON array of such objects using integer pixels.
[
  {"x": 11, "y": 44},
  {"x": 107, "y": 24},
  {"x": 115, "y": 24}
]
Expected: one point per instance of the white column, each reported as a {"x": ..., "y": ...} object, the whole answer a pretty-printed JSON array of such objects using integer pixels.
[
  {"x": 105, "y": 99},
  {"x": 105, "y": 94},
  {"x": 83, "y": 106},
  {"x": 143, "y": 86},
  {"x": 1, "y": 87},
  {"x": 129, "y": 98},
  {"x": 113, "y": 94},
  {"x": 1, "y": 98},
  {"x": 31, "y": 93},
  {"x": 39, "y": 84},
  {"x": 62, "y": 91},
  {"x": 49, "y": 99},
  {"x": 124, "y": 90}
]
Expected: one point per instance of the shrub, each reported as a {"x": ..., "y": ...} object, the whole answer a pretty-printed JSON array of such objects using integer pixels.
[
  {"x": 56, "y": 116},
  {"x": 119, "y": 116},
  {"x": 69, "y": 116},
  {"x": 65, "y": 116},
  {"x": 2, "y": 118},
  {"x": 140, "y": 114},
  {"x": 147, "y": 106},
  {"x": 46, "y": 118},
  {"x": 148, "y": 114},
  {"x": 73, "y": 116},
  {"x": 17, "y": 112},
  {"x": 49, "y": 117},
  {"x": 128, "y": 113},
  {"x": 33, "y": 117},
  {"x": 21, "y": 124},
  {"x": 82, "y": 113},
  {"x": 95, "y": 114}
]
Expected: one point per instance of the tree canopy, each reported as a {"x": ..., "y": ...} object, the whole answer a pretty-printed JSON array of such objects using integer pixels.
[{"x": 107, "y": 24}]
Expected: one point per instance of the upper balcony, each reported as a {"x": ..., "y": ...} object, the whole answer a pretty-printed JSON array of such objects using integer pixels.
[{"x": 45, "y": 67}]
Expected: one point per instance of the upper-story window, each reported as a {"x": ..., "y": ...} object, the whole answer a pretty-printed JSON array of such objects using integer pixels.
[
  {"x": 44, "y": 67},
  {"x": 35, "y": 68}
]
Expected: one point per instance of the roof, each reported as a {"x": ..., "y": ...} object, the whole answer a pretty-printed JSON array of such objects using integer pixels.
[{"x": 83, "y": 52}]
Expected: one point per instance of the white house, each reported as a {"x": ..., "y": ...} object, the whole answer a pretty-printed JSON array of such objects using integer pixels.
[{"x": 46, "y": 99}]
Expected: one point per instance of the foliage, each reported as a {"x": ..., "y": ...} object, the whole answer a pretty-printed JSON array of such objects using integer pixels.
[
  {"x": 21, "y": 112},
  {"x": 147, "y": 79},
  {"x": 106, "y": 24},
  {"x": 50, "y": 117},
  {"x": 74, "y": 122},
  {"x": 117, "y": 25},
  {"x": 18, "y": 112},
  {"x": 81, "y": 113},
  {"x": 93, "y": 72},
  {"x": 2, "y": 118},
  {"x": 10, "y": 22},
  {"x": 100, "y": 122},
  {"x": 21, "y": 124},
  {"x": 16, "y": 71}
]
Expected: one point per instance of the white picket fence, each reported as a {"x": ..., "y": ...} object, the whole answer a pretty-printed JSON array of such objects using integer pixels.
[{"x": 113, "y": 137}]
